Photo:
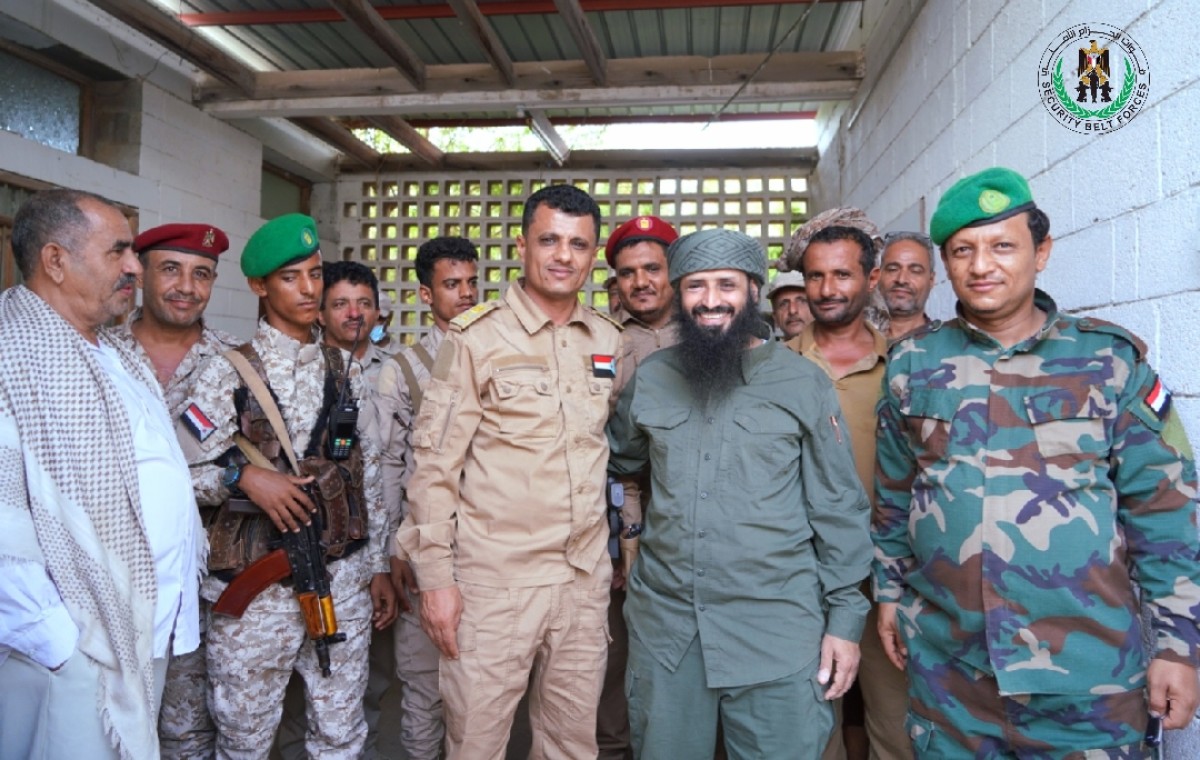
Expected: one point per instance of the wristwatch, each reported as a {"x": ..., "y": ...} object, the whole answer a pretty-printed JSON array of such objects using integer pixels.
[{"x": 231, "y": 475}]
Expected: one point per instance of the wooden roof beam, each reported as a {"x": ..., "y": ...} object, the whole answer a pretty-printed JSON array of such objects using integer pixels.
[
  {"x": 405, "y": 134},
  {"x": 585, "y": 38},
  {"x": 554, "y": 143},
  {"x": 481, "y": 29},
  {"x": 363, "y": 15},
  {"x": 341, "y": 138}
]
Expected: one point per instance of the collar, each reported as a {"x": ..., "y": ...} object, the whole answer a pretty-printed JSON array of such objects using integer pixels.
[
  {"x": 807, "y": 340},
  {"x": 755, "y": 357},
  {"x": 288, "y": 347},
  {"x": 1041, "y": 300},
  {"x": 531, "y": 317}
]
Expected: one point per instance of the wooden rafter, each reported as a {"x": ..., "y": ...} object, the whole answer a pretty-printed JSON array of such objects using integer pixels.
[
  {"x": 585, "y": 38},
  {"x": 554, "y": 143},
  {"x": 341, "y": 138},
  {"x": 800, "y": 161},
  {"x": 481, "y": 29},
  {"x": 363, "y": 15},
  {"x": 405, "y": 134}
]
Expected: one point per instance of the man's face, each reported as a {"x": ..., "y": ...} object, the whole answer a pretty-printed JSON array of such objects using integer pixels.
[
  {"x": 838, "y": 289},
  {"x": 642, "y": 281},
  {"x": 558, "y": 251},
  {"x": 455, "y": 289},
  {"x": 292, "y": 295},
  {"x": 790, "y": 309},
  {"x": 993, "y": 268},
  {"x": 176, "y": 286},
  {"x": 712, "y": 299},
  {"x": 349, "y": 314},
  {"x": 906, "y": 278},
  {"x": 100, "y": 274}
]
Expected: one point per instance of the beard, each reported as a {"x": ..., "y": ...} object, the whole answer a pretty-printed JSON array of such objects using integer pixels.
[{"x": 712, "y": 357}]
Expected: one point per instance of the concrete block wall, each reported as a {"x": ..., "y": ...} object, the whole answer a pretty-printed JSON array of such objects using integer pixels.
[{"x": 960, "y": 95}]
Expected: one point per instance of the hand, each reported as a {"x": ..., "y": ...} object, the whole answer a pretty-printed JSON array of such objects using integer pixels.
[
  {"x": 280, "y": 496},
  {"x": 1174, "y": 692},
  {"x": 618, "y": 576},
  {"x": 839, "y": 658},
  {"x": 889, "y": 634},
  {"x": 383, "y": 601},
  {"x": 441, "y": 609},
  {"x": 405, "y": 583}
]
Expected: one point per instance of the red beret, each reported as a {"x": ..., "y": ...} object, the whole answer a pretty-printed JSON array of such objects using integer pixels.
[
  {"x": 201, "y": 239},
  {"x": 635, "y": 230}
]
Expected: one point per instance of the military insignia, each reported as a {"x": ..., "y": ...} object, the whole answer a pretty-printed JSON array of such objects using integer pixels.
[
  {"x": 306, "y": 238},
  {"x": 992, "y": 202},
  {"x": 644, "y": 223},
  {"x": 1158, "y": 399},
  {"x": 210, "y": 238},
  {"x": 197, "y": 422},
  {"x": 471, "y": 315},
  {"x": 1093, "y": 78},
  {"x": 604, "y": 365}
]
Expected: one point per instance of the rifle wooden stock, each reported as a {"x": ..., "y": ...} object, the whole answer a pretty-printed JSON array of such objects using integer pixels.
[{"x": 251, "y": 582}]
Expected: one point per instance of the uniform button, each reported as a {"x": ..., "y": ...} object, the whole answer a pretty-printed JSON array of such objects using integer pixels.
[
  {"x": 702, "y": 533},
  {"x": 709, "y": 420},
  {"x": 700, "y": 572},
  {"x": 704, "y": 494},
  {"x": 564, "y": 343},
  {"x": 702, "y": 608},
  {"x": 568, "y": 389},
  {"x": 707, "y": 457}
]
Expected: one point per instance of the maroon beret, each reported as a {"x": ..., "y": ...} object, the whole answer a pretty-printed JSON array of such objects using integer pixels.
[
  {"x": 201, "y": 239},
  {"x": 636, "y": 230}
]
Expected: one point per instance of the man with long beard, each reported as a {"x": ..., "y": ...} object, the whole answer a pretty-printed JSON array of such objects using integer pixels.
[{"x": 744, "y": 599}]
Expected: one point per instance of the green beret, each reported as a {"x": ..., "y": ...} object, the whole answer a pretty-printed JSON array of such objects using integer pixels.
[
  {"x": 990, "y": 196},
  {"x": 281, "y": 241},
  {"x": 716, "y": 249}
]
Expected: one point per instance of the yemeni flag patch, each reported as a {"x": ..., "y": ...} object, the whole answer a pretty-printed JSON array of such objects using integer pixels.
[
  {"x": 604, "y": 365},
  {"x": 1158, "y": 399},
  {"x": 197, "y": 422}
]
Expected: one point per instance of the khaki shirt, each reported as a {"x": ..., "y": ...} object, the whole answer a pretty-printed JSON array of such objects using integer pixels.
[
  {"x": 177, "y": 391},
  {"x": 858, "y": 392},
  {"x": 510, "y": 451},
  {"x": 638, "y": 341},
  {"x": 394, "y": 420},
  {"x": 371, "y": 365}
]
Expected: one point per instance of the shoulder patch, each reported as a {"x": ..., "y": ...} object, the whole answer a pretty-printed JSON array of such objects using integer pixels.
[
  {"x": 1092, "y": 324},
  {"x": 620, "y": 327},
  {"x": 474, "y": 314}
]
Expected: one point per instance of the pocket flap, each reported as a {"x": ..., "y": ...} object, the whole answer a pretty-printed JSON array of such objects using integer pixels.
[
  {"x": 932, "y": 403},
  {"x": 664, "y": 417},
  {"x": 1059, "y": 404}
]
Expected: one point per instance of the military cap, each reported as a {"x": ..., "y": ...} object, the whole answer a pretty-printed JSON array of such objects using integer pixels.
[
  {"x": 283, "y": 240},
  {"x": 716, "y": 249},
  {"x": 200, "y": 239},
  {"x": 636, "y": 230},
  {"x": 991, "y": 195}
]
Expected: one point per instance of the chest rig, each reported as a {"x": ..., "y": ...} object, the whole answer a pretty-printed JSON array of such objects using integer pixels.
[{"x": 240, "y": 533}]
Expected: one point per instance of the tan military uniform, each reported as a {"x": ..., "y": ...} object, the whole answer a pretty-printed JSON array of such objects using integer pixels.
[
  {"x": 884, "y": 688},
  {"x": 422, "y": 729},
  {"x": 251, "y": 659},
  {"x": 639, "y": 340},
  {"x": 507, "y": 501},
  {"x": 185, "y": 729}
]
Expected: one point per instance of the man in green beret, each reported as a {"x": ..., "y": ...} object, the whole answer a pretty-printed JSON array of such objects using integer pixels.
[
  {"x": 231, "y": 439},
  {"x": 744, "y": 601},
  {"x": 1034, "y": 488}
]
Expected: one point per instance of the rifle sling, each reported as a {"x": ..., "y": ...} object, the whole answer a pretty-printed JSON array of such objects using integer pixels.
[
  {"x": 410, "y": 377},
  {"x": 259, "y": 388}
]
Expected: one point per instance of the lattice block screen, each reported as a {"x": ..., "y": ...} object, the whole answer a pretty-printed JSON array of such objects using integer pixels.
[{"x": 385, "y": 218}]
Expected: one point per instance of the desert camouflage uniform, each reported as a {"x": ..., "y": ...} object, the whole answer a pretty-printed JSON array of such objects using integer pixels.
[
  {"x": 185, "y": 729},
  {"x": 421, "y": 724},
  {"x": 1020, "y": 490},
  {"x": 380, "y": 662},
  {"x": 250, "y": 660}
]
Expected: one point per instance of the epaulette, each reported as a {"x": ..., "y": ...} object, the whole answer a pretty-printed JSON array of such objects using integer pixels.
[
  {"x": 474, "y": 314},
  {"x": 620, "y": 327},
  {"x": 917, "y": 333},
  {"x": 1092, "y": 324}
]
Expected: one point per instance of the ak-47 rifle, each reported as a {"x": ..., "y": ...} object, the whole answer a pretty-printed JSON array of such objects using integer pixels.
[{"x": 302, "y": 557}]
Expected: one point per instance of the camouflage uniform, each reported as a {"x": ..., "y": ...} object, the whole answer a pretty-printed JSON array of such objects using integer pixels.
[
  {"x": 185, "y": 729},
  {"x": 251, "y": 659},
  {"x": 421, "y": 724},
  {"x": 1019, "y": 491}
]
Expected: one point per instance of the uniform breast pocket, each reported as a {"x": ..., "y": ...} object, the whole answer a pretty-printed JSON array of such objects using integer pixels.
[
  {"x": 663, "y": 426},
  {"x": 770, "y": 444},
  {"x": 1066, "y": 423},
  {"x": 599, "y": 391},
  {"x": 929, "y": 415},
  {"x": 526, "y": 400}
]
